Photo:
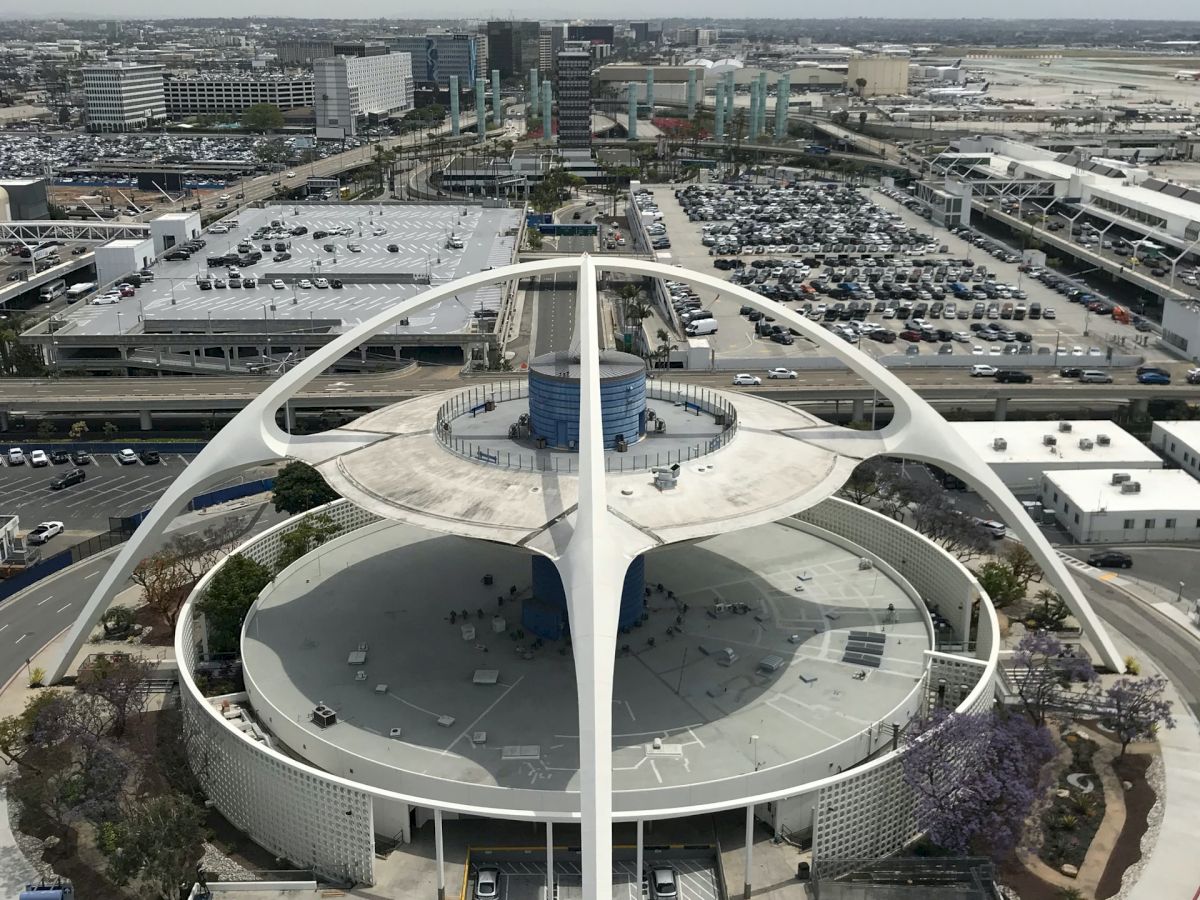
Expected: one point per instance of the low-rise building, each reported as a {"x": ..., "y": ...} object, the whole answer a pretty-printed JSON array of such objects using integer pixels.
[
  {"x": 1178, "y": 441},
  {"x": 1120, "y": 506},
  {"x": 1022, "y": 452},
  {"x": 232, "y": 94},
  {"x": 885, "y": 76}
]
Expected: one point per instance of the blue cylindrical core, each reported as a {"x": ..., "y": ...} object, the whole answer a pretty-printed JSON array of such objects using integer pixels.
[
  {"x": 545, "y": 614},
  {"x": 554, "y": 399}
]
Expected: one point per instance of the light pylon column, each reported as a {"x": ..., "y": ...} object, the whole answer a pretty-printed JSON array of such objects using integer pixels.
[
  {"x": 783, "y": 91},
  {"x": 547, "y": 108},
  {"x": 631, "y": 130},
  {"x": 480, "y": 110},
  {"x": 497, "y": 108},
  {"x": 719, "y": 112},
  {"x": 439, "y": 853},
  {"x": 691, "y": 94},
  {"x": 454, "y": 106}
]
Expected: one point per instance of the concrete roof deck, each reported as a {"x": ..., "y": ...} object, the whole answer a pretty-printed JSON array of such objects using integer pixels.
[
  {"x": 394, "y": 586},
  {"x": 767, "y": 471},
  {"x": 1025, "y": 444},
  {"x": 420, "y": 232},
  {"x": 1092, "y": 490}
]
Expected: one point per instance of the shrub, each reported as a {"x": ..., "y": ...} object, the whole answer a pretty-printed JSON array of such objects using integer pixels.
[
  {"x": 1132, "y": 666},
  {"x": 1067, "y": 822},
  {"x": 37, "y": 677}
]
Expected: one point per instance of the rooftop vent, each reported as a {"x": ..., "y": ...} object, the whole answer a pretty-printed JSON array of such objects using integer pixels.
[
  {"x": 1064, "y": 427},
  {"x": 1103, "y": 440},
  {"x": 1086, "y": 444},
  {"x": 999, "y": 444},
  {"x": 1049, "y": 440},
  {"x": 1131, "y": 487},
  {"x": 1119, "y": 477}
]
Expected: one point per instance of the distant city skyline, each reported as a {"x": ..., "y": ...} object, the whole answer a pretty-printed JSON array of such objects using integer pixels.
[{"x": 623, "y": 9}]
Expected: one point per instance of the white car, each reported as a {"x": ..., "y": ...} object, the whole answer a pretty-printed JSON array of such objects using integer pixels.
[
  {"x": 487, "y": 883},
  {"x": 354, "y": 248},
  {"x": 1077, "y": 350},
  {"x": 304, "y": 283},
  {"x": 218, "y": 229},
  {"x": 781, "y": 373},
  {"x": 109, "y": 299},
  {"x": 44, "y": 532},
  {"x": 278, "y": 284},
  {"x": 961, "y": 337},
  {"x": 16, "y": 457},
  {"x": 976, "y": 350},
  {"x": 1049, "y": 313},
  {"x": 744, "y": 378},
  {"x": 127, "y": 457},
  {"x": 321, "y": 283},
  {"x": 1095, "y": 351},
  {"x": 995, "y": 351},
  {"x": 38, "y": 458},
  {"x": 983, "y": 370},
  {"x": 291, "y": 174}
]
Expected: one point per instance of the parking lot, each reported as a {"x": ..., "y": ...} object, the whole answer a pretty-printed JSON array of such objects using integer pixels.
[
  {"x": 526, "y": 880},
  {"x": 867, "y": 268},
  {"x": 420, "y": 234},
  {"x": 111, "y": 489}
]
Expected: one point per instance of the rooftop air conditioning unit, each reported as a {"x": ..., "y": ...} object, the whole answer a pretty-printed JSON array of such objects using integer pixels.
[
  {"x": 1103, "y": 440},
  {"x": 1049, "y": 440},
  {"x": 1086, "y": 444},
  {"x": 1064, "y": 427},
  {"x": 1119, "y": 477},
  {"x": 1131, "y": 487},
  {"x": 323, "y": 716},
  {"x": 999, "y": 444}
]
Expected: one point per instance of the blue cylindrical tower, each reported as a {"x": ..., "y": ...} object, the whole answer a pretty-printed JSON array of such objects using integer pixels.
[
  {"x": 545, "y": 613},
  {"x": 554, "y": 398}
]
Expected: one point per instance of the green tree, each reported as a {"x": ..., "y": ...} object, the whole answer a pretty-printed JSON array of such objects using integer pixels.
[
  {"x": 633, "y": 302},
  {"x": 306, "y": 536},
  {"x": 299, "y": 487},
  {"x": 46, "y": 428},
  {"x": 78, "y": 430},
  {"x": 109, "y": 429},
  {"x": 841, "y": 117},
  {"x": 160, "y": 845},
  {"x": 1001, "y": 583},
  {"x": 262, "y": 117},
  {"x": 228, "y": 598},
  {"x": 860, "y": 83},
  {"x": 271, "y": 152},
  {"x": 1024, "y": 566}
]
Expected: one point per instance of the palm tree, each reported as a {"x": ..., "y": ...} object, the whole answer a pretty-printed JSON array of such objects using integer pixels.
[
  {"x": 633, "y": 304},
  {"x": 860, "y": 83}
]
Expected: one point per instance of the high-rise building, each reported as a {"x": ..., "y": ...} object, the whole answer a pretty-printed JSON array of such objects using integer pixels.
[
  {"x": 438, "y": 56},
  {"x": 305, "y": 52},
  {"x": 641, "y": 31},
  {"x": 550, "y": 41},
  {"x": 593, "y": 34},
  {"x": 231, "y": 94},
  {"x": 513, "y": 46},
  {"x": 352, "y": 89},
  {"x": 575, "y": 96},
  {"x": 123, "y": 96}
]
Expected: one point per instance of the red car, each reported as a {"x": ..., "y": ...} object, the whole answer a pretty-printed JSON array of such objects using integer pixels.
[
  {"x": 913, "y": 336},
  {"x": 127, "y": 290}
]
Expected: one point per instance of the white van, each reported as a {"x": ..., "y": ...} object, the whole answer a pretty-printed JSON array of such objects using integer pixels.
[{"x": 704, "y": 326}]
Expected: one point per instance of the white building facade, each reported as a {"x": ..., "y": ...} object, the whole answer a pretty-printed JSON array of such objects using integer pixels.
[
  {"x": 349, "y": 90},
  {"x": 123, "y": 97},
  {"x": 1111, "y": 506},
  {"x": 1179, "y": 442},
  {"x": 206, "y": 94}
]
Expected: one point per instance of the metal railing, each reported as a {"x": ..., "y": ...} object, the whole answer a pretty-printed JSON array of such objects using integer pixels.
[{"x": 485, "y": 398}]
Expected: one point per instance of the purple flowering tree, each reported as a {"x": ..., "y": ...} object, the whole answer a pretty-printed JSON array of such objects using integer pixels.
[
  {"x": 1041, "y": 667},
  {"x": 975, "y": 778},
  {"x": 1137, "y": 708}
]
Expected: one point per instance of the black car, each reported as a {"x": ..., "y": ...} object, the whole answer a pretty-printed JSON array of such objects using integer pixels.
[
  {"x": 335, "y": 283},
  {"x": 392, "y": 248},
  {"x": 81, "y": 458},
  {"x": 1013, "y": 376},
  {"x": 60, "y": 457},
  {"x": 317, "y": 235},
  {"x": 1142, "y": 370},
  {"x": 1070, "y": 372},
  {"x": 1111, "y": 559},
  {"x": 66, "y": 479},
  {"x": 299, "y": 230},
  {"x": 149, "y": 457},
  {"x": 177, "y": 255},
  {"x": 280, "y": 257}
]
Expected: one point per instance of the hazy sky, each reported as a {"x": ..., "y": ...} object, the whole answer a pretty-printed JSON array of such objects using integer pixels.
[{"x": 619, "y": 9}]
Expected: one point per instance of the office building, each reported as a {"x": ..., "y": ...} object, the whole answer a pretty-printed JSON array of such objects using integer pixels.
[
  {"x": 885, "y": 76},
  {"x": 513, "y": 47},
  {"x": 592, "y": 34},
  {"x": 574, "y": 65},
  {"x": 696, "y": 37},
  {"x": 231, "y": 94},
  {"x": 640, "y": 32},
  {"x": 306, "y": 52},
  {"x": 1117, "y": 506},
  {"x": 550, "y": 41},
  {"x": 435, "y": 57},
  {"x": 123, "y": 97},
  {"x": 351, "y": 90}
]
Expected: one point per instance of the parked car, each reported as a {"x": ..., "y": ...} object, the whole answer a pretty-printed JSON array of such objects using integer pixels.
[
  {"x": 149, "y": 457},
  {"x": 487, "y": 883},
  {"x": 392, "y": 248},
  {"x": 44, "y": 532},
  {"x": 66, "y": 479},
  {"x": 335, "y": 283},
  {"x": 1110, "y": 559},
  {"x": 127, "y": 457},
  {"x": 16, "y": 457},
  {"x": 81, "y": 458},
  {"x": 60, "y": 457},
  {"x": 746, "y": 379},
  {"x": 664, "y": 884}
]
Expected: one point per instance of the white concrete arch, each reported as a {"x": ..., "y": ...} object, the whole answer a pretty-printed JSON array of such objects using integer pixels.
[{"x": 600, "y": 543}]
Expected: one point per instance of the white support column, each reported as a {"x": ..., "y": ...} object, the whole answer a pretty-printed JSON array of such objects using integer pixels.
[
  {"x": 749, "y": 851},
  {"x": 549, "y": 861},
  {"x": 440, "y": 853},
  {"x": 641, "y": 858}
]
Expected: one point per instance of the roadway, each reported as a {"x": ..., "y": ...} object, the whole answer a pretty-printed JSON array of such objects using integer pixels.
[{"x": 554, "y": 314}]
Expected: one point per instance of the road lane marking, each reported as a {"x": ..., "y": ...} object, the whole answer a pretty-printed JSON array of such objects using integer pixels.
[
  {"x": 64, "y": 607},
  {"x": 50, "y": 597},
  {"x": 22, "y": 637},
  {"x": 2, "y": 627},
  {"x": 93, "y": 575}
]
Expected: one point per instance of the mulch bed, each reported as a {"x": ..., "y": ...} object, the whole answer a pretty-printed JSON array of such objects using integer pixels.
[
  {"x": 1069, "y": 844},
  {"x": 1138, "y": 802},
  {"x": 1025, "y": 883}
]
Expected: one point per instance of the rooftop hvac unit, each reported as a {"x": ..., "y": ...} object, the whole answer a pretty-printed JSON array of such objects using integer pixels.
[
  {"x": 1103, "y": 440},
  {"x": 999, "y": 444},
  {"x": 1131, "y": 487},
  {"x": 1119, "y": 477},
  {"x": 1086, "y": 444},
  {"x": 1064, "y": 427},
  {"x": 323, "y": 716},
  {"x": 1049, "y": 440}
]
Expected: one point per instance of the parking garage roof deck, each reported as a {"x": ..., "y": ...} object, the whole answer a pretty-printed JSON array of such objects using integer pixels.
[{"x": 419, "y": 231}]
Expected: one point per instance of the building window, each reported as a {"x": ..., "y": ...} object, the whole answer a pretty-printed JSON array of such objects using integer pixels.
[
  {"x": 1076, "y": 518},
  {"x": 1129, "y": 524},
  {"x": 1056, "y": 496},
  {"x": 1151, "y": 523},
  {"x": 1170, "y": 523}
]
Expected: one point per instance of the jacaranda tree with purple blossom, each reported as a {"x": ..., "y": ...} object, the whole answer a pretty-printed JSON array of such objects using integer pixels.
[
  {"x": 1042, "y": 666},
  {"x": 1137, "y": 708},
  {"x": 975, "y": 778}
]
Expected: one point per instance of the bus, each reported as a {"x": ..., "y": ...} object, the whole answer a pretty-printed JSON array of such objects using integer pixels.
[
  {"x": 52, "y": 289},
  {"x": 77, "y": 291}
]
